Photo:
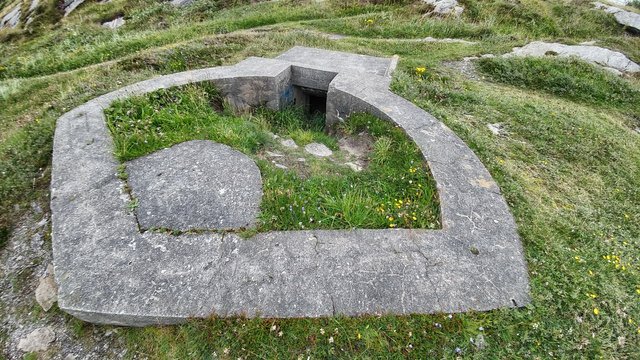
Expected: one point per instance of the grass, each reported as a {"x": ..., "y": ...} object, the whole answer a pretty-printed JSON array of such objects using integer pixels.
[
  {"x": 568, "y": 163},
  {"x": 567, "y": 78},
  {"x": 394, "y": 190}
]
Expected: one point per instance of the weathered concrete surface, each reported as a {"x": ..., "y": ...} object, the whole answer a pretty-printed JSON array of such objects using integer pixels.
[
  {"x": 110, "y": 272},
  {"x": 318, "y": 67},
  {"x": 611, "y": 60},
  {"x": 196, "y": 185},
  {"x": 623, "y": 17}
]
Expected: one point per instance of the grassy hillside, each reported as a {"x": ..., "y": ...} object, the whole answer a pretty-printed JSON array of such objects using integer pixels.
[{"x": 568, "y": 161}]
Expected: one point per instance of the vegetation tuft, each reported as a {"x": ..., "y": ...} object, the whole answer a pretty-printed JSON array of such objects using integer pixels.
[{"x": 568, "y": 78}]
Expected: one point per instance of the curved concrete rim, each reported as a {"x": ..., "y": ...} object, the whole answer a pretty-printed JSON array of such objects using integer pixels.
[{"x": 109, "y": 272}]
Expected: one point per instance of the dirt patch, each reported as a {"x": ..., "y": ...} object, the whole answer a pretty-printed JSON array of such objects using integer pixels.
[
  {"x": 23, "y": 261},
  {"x": 358, "y": 147}
]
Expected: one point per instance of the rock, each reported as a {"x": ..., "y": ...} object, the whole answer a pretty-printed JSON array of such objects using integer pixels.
[
  {"x": 115, "y": 23},
  {"x": 47, "y": 290},
  {"x": 623, "y": 17},
  {"x": 609, "y": 59},
  {"x": 496, "y": 129},
  {"x": 196, "y": 185},
  {"x": 12, "y": 18},
  {"x": 38, "y": 340},
  {"x": 619, "y": 2},
  {"x": 181, "y": 2},
  {"x": 34, "y": 5},
  {"x": 355, "y": 167},
  {"x": 70, "y": 5},
  {"x": 318, "y": 149},
  {"x": 280, "y": 166},
  {"x": 445, "y": 7},
  {"x": 272, "y": 154},
  {"x": 289, "y": 143}
]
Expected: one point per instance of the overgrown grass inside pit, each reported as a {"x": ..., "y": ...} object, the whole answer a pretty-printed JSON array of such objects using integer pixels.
[{"x": 394, "y": 190}]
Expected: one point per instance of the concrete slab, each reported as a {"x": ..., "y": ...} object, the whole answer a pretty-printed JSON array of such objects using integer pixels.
[{"x": 196, "y": 185}]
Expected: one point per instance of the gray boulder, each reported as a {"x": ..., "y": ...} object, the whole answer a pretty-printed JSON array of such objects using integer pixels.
[
  {"x": 11, "y": 19},
  {"x": 445, "y": 7},
  {"x": 115, "y": 23},
  {"x": 623, "y": 17},
  {"x": 613, "y": 61}
]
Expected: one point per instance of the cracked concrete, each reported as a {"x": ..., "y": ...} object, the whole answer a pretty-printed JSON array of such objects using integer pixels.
[{"x": 109, "y": 272}]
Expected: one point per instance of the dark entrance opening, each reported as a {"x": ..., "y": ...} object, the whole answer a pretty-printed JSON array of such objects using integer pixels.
[{"x": 312, "y": 100}]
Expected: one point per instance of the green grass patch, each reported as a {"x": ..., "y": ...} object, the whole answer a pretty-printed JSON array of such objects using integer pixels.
[
  {"x": 395, "y": 190},
  {"x": 568, "y": 78}
]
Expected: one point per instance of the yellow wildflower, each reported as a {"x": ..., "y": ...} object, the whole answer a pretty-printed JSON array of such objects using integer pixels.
[{"x": 596, "y": 311}]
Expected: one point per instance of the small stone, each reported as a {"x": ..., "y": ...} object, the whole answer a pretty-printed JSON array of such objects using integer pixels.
[
  {"x": 301, "y": 160},
  {"x": 289, "y": 143},
  {"x": 38, "y": 340},
  {"x": 42, "y": 222},
  {"x": 487, "y": 56},
  {"x": 496, "y": 129},
  {"x": 272, "y": 154},
  {"x": 115, "y": 23},
  {"x": 593, "y": 54},
  {"x": 318, "y": 149},
  {"x": 355, "y": 167},
  {"x": 279, "y": 166},
  {"x": 637, "y": 130},
  {"x": 47, "y": 290}
]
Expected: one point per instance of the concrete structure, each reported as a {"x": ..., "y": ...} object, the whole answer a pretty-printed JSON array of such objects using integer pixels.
[{"x": 110, "y": 272}]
